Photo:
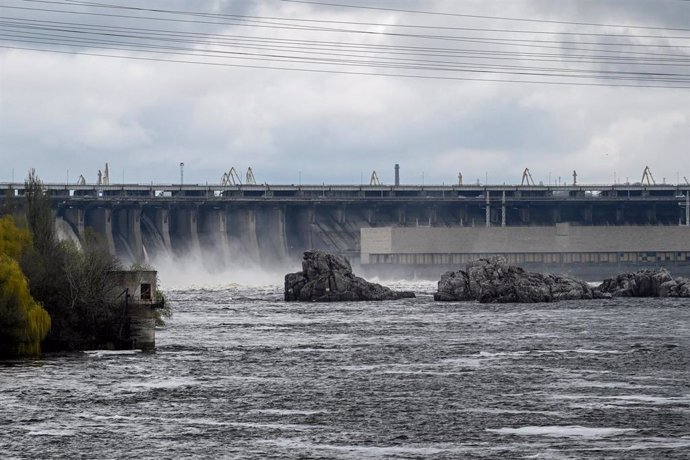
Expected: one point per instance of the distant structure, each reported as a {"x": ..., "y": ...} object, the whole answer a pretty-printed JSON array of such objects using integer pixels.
[
  {"x": 135, "y": 290},
  {"x": 250, "y": 179},
  {"x": 106, "y": 176},
  {"x": 527, "y": 178},
  {"x": 374, "y": 180},
  {"x": 647, "y": 176},
  {"x": 397, "y": 174}
]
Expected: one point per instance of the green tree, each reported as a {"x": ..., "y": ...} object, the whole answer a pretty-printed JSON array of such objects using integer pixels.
[
  {"x": 14, "y": 241},
  {"x": 39, "y": 215},
  {"x": 23, "y": 322}
]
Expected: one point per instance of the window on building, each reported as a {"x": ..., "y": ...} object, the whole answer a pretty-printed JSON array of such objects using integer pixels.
[{"x": 145, "y": 291}]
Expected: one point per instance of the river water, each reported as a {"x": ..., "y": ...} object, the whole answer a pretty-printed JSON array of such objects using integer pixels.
[{"x": 237, "y": 373}]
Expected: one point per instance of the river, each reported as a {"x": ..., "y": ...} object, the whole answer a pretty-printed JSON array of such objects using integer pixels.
[{"x": 238, "y": 373}]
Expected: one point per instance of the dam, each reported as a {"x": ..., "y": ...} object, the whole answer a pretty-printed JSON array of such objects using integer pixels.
[{"x": 382, "y": 227}]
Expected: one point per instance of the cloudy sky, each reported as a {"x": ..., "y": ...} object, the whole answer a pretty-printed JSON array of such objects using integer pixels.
[{"x": 324, "y": 93}]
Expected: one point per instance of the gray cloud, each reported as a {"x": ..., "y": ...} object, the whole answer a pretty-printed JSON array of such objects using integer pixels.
[{"x": 75, "y": 112}]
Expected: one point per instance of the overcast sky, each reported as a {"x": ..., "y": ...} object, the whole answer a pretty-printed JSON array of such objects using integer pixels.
[{"x": 66, "y": 111}]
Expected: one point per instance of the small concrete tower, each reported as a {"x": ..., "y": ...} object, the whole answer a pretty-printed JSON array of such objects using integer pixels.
[{"x": 397, "y": 174}]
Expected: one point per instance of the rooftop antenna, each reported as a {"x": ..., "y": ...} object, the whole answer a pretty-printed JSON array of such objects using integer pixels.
[
  {"x": 527, "y": 177},
  {"x": 374, "y": 180},
  {"x": 647, "y": 175}
]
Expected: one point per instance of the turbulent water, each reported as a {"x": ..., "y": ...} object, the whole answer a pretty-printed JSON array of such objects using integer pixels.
[{"x": 238, "y": 373}]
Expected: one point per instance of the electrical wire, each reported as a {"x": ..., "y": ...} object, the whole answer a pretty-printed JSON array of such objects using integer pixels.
[{"x": 499, "y": 59}]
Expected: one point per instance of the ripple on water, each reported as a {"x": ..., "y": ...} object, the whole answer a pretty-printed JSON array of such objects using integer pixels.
[{"x": 237, "y": 373}]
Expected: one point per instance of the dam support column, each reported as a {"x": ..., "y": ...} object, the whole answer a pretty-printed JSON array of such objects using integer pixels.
[
  {"x": 213, "y": 234},
  {"x": 651, "y": 214},
  {"x": 402, "y": 215},
  {"x": 556, "y": 214},
  {"x": 487, "y": 218},
  {"x": 100, "y": 219},
  {"x": 370, "y": 213},
  {"x": 161, "y": 221},
  {"x": 271, "y": 234},
  {"x": 129, "y": 227},
  {"x": 620, "y": 215},
  {"x": 503, "y": 209},
  {"x": 241, "y": 226},
  {"x": 587, "y": 214},
  {"x": 525, "y": 215},
  {"x": 76, "y": 218},
  {"x": 186, "y": 230},
  {"x": 340, "y": 214}
]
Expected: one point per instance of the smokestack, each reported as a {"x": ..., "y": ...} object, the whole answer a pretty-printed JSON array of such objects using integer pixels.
[{"x": 397, "y": 174}]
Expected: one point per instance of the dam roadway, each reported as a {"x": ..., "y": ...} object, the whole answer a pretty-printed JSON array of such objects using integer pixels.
[{"x": 269, "y": 224}]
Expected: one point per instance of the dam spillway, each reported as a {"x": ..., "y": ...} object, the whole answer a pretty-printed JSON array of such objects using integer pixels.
[{"x": 269, "y": 225}]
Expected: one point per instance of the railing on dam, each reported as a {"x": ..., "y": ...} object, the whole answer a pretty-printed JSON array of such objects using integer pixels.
[{"x": 284, "y": 193}]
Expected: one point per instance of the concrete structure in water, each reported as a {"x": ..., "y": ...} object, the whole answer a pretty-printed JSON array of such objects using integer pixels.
[
  {"x": 582, "y": 249},
  {"x": 136, "y": 291},
  {"x": 269, "y": 224}
]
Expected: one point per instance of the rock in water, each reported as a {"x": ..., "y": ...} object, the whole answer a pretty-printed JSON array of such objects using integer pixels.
[
  {"x": 494, "y": 281},
  {"x": 329, "y": 278},
  {"x": 646, "y": 283}
]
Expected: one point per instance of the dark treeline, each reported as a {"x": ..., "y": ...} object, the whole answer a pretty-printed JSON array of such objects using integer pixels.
[{"x": 69, "y": 283}]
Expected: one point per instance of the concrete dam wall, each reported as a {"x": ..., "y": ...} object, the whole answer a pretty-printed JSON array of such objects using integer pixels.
[
  {"x": 269, "y": 225},
  {"x": 261, "y": 235}
]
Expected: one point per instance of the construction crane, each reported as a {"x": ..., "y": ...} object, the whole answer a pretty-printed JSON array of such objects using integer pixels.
[
  {"x": 374, "y": 179},
  {"x": 527, "y": 177},
  {"x": 250, "y": 179},
  {"x": 231, "y": 178},
  {"x": 647, "y": 175}
]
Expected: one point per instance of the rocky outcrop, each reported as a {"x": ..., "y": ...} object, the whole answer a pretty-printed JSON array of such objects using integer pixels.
[
  {"x": 646, "y": 283},
  {"x": 329, "y": 278},
  {"x": 494, "y": 281}
]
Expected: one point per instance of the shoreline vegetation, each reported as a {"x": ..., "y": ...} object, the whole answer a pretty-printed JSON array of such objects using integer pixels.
[{"x": 55, "y": 296}]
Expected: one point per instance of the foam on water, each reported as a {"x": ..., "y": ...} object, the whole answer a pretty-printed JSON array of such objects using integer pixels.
[{"x": 569, "y": 431}]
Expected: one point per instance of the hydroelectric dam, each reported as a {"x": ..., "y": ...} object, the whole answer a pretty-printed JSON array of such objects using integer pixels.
[{"x": 399, "y": 228}]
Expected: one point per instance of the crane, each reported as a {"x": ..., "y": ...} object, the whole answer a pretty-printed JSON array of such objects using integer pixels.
[
  {"x": 250, "y": 179},
  {"x": 647, "y": 175},
  {"x": 231, "y": 178},
  {"x": 527, "y": 177}
]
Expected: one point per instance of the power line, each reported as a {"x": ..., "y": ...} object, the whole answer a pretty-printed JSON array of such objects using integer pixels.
[
  {"x": 278, "y": 25},
  {"x": 225, "y": 40},
  {"x": 343, "y": 72},
  {"x": 359, "y": 23},
  {"x": 477, "y": 16},
  {"x": 482, "y": 56},
  {"x": 85, "y": 40}
]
